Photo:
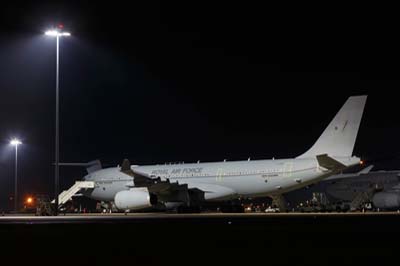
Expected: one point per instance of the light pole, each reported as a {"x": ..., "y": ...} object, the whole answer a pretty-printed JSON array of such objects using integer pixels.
[
  {"x": 57, "y": 33},
  {"x": 15, "y": 143}
]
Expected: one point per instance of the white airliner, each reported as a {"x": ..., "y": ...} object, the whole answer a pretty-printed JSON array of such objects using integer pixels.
[{"x": 132, "y": 187}]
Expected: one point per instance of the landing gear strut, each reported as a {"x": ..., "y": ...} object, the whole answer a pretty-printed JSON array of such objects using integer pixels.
[{"x": 280, "y": 202}]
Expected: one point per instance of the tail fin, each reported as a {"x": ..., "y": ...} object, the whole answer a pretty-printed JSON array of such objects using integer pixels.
[{"x": 339, "y": 137}]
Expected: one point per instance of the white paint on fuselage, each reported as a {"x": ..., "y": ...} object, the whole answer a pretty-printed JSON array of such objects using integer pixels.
[
  {"x": 244, "y": 178},
  {"x": 251, "y": 178}
]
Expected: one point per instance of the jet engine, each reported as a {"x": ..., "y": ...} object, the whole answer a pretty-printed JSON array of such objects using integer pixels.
[
  {"x": 134, "y": 199},
  {"x": 386, "y": 200}
]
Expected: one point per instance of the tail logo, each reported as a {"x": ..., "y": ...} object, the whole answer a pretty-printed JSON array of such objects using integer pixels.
[{"x": 345, "y": 124}]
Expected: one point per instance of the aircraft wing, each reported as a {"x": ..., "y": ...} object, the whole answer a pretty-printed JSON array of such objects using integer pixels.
[
  {"x": 167, "y": 191},
  {"x": 214, "y": 192},
  {"x": 164, "y": 189},
  {"x": 192, "y": 191},
  {"x": 364, "y": 171}
]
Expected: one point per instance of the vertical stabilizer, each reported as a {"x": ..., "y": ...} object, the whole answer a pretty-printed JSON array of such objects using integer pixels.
[{"x": 339, "y": 137}]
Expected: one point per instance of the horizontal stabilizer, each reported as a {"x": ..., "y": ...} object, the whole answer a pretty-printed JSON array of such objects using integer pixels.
[
  {"x": 329, "y": 163},
  {"x": 91, "y": 166}
]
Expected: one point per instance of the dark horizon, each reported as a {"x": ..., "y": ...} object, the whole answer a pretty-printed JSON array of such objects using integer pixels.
[{"x": 159, "y": 83}]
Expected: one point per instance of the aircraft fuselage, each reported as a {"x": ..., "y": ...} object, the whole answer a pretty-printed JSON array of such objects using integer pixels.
[{"x": 229, "y": 179}]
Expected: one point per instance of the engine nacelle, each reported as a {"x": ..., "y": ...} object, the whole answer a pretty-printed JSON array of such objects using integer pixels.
[
  {"x": 386, "y": 200},
  {"x": 134, "y": 199}
]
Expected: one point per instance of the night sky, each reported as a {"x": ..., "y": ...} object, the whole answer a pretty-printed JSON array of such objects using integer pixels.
[{"x": 161, "y": 82}]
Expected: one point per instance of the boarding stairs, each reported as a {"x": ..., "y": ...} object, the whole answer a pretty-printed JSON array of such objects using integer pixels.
[
  {"x": 364, "y": 197},
  {"x": 66, "y": 195}
]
